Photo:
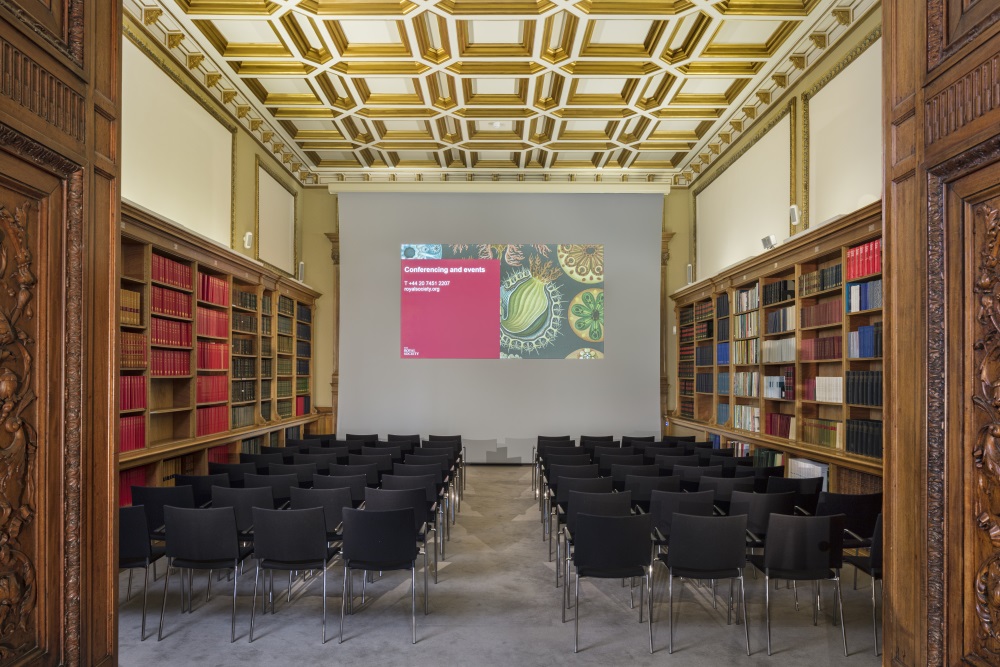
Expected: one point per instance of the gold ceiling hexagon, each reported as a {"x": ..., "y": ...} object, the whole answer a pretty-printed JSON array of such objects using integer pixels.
[{"x": 354, "y": 88}]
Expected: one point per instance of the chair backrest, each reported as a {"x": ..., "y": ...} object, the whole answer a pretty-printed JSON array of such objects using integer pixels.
[
  {"x": 553, "y": 446},
  {"x": 454, "y": 446},
  {"x": 394, "y": 499},
  {"x": 723, "y": 487},
  {"x": 399, "y": 482},
  {"x": 602, "y": 450},
  {"x": 331, "y": 501},
  {"x": 299, "y": 443},
  {"x": 395, "y": 453},
  {"x": 546, "y": 455},
  {"x": 201, "y": 535},
  {"x": 280, "y": 485},
  {"x": 133, "y": 535},
  {"x": 234, "y": 471},
  {"x": 303, "y": 471},
  {"x": 411, "y": 469},
  {"x": 695, "y": 473},
  {"x": 553, "y": 438},
  {"x": 201, "y": 485},
  {"x": 383, "y": 462},
  {"x": 261, "y": 461},
  {"x": 728, "y": 464},
  {"x": 668, "y": 463},
  {"x": 369, "y": 470},
  {"x": 290, "y": 536},
  {"x": 678, "y": 438},
  {"x": 663, "y": 505},
  {"x": 759, "y": 507},
  {"x": 568, "y": 460},
  {"x": 603, "y": 504},
  {"x": 705, "y": 454},
  {"x": 806, "y": 489},
  {"x": 861, "y": 510},
  {"x": 320, "y": 436},
  {"x": 410, "y": 437},
  {"x": 368, "y": 437},
  {"x": 707, "y": 547},
  {"x": 321, "y": 461},
  {"x": 373, "y": 538},
  {"x": 556, "y": 472},
  {"x": 154, "y": 498},
  {"x": 630, "y": 439},
  {"x": 355, "y": 484},
  {"x": 609, "y": 460},
  {"x": 449, "y": 451},
  {"x": 760, "y": 475},
  {"x": 611, "y": 545},
  {"x": 423, "y": 458},
  {"x": 806, "y": 546},
  {"x": 875, "y": 553},
  {"x": 445, "y": 438},
  {"x": 286, "y": 453},
  {"x": 596, "y": 438},
  {"x": 619, "y": 471},
  {"x": 243, "y": 501},
  {"x": 653, "y": 450},
  {"x": 642, "y": 486},
  {"x": 585, "y": 484}
]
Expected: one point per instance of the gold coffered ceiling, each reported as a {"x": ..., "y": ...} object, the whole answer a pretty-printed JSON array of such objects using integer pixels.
[{"x": 519, "y": 90}]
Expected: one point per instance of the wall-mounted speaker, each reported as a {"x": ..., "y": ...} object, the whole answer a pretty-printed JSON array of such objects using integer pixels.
[
  {"x": 248, "y": 240},
  {"x": 793, "y": 215},
  {"x": 690, "y": 274},
  {"x": 301, "y": 274},
  {"x": 769, "y": 241}
]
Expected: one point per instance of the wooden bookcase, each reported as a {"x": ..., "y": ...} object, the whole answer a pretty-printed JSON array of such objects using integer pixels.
[
  {"x": 778, "y": 353},
  {"x": 216, "y": 354}
]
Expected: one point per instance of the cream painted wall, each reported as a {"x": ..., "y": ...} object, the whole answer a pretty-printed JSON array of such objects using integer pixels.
[
  {"x": 747, "y": 202},
  {"x": 275, "y": 222},
  {"x": 318, "y": 211},
  {"x": 176, "y": 157},
  {"x": 845, "y": 139},
  {"x": 677, "y": 217}
]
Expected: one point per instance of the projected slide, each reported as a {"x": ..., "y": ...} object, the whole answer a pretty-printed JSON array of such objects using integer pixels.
[{"x": 497, "y": 301}]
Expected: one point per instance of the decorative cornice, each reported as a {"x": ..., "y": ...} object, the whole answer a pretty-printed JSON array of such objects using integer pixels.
[{"x": 17, "y": 143}]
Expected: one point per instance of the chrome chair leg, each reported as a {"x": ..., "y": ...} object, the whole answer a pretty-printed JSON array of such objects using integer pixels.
[
  {"x": 413, "y": 600},
  {"x": 425, "y": 577},
  {"x": 343, "y": 604},
  {"x": 576, "y": 616},
  {"x": 128, "y": 591},
  {"x": 163, "y": 607},
  {"x": 145, "y": 590},
  {"x": 253, "y": 607},
  {"x": 670, "y": 608},
  {"x": 236, "y": 579},
  {"x": 746, "y": 622},
  {"x": 840, "y": 609},
  {"x": 767, "y": 610},
  {"x": 325, "y": 568},
  {"x": 649, "y": 613}
]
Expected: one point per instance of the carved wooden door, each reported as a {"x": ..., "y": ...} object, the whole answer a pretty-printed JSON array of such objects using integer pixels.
[{"x": 59, "y": 136}]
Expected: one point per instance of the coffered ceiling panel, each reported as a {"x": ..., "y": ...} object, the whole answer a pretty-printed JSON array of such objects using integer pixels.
[{"x": 420, "y": 90}]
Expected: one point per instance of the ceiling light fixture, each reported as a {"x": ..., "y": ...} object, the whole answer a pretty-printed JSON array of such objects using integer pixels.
[{"x": 496, "y": 124}]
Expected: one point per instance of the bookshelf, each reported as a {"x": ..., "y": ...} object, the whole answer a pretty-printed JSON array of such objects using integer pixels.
[
  {"x": 782, "y": 353},
  {"x": 202, "y": 354}
]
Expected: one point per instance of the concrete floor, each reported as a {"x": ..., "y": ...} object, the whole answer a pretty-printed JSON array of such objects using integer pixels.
[{"x": 495, "y": 604}]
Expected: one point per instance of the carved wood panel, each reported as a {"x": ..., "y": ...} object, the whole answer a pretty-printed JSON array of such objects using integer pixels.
[{"x": 954, "y": 24}]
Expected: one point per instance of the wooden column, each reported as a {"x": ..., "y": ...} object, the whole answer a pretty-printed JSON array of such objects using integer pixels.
[
  {"x": 59, "y": 194},
  {"x": 941, "y": 84},
  {"x": 334, "y": 238},
  {"x": 666, "y": 307}
]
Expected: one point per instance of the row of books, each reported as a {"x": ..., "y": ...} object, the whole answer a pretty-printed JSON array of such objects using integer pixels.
[
  {"x": 821, "y": 280},
  {"x": 781, "y": 386},
  {"x": 702, "y": 331},
  {"x": 767, "y": 458},
  {"x": 687, "y": 334},
  {"x": 746, "y": 417},
  {"x": 243, "y": 346},
  {"x": 265, "y": 367},
  {"x": 866, "y": 342},
  {"x": 170, "y": 363},
  {"x": 265, "y": 304},
  {"x": 747, "y": 326},
  {"x": 722, "y": 413},
  {"x": 213, "y": 323},
  {"x": 169, "y": 332},
  {"x": 746, "y": 384},
  {"x": 722, "y": 352},
  {"x": 252, "y": 445},
  {"x": 703, "y": 355},
  {"x": 722, "y": 329},
  {"x": 211, "y": 388},
  {"x": 285, "y": 388},
  {"x": 828, "y": 312},
  {"x": 702, "y": 310},
  {"x": 218, "y": 454},
  {"x": 778, "y": 291},
  {"x": 864, "y": 437},
  {"x": 303, "y": 348},
  {"x": 265, "y": 409},
  {"x": 213, "y": 420},
  {"x": 825, "y": 389},
  {"x": 213, "y": 356},
  {"x": 285, "y": 409},
  {"x": 864, "y": 296},
  {"x": 685, "y": 352},
  {"x": 244, "y": 322},
  {"x": 779, "y": 425},
  {"x": 284, "y": 345},
  {"x": 265, "y": 390},
  {"x": 779, "y": 349},
  {"x": 243, "y": 416},
  {"x": 302, "y": 366},
  {"x": 286, "y": 305},
  {"x": 684, "y": 370},
  {"x": 132, "y": 354},
  {"x": 246, "y": 300},
  {"x": 818, "y": 349},
  {"x": 303, "y": 405},
  {"x": 129, "y": 478},
  {"x": 213, "y": 289},
  {"x": 864, "y": 387},
  {"x": 686, "y": 316},
  {"x": 302, "y": 385},
  {"x": 265, "y": 325},
  {"x": 166, "y": 270},
  {"x": 131, "y": 433},
  {"x": 781, "y": 320},
  {"x": 165, "y": 301},
  {"x": 746, "y": 351},
  {"x": 684, "y": 385},
  {"x": 244, "y": 367},
  {"x": 722, "y": 383},
  {"x": 864, "y": 260},
  {"x": 722, "y": 306},
  {"x": 131, "y": 392},
  {"x": 130, "y": 308},
  {"x": 265, "y": 347},
  {"x": 702, "y": 383},
  {"x": 244, "y": 390},
  {"x": 823, "y": 432},
  {"x": 304, "y": 313},
  {"x": 747, "y": 299}
]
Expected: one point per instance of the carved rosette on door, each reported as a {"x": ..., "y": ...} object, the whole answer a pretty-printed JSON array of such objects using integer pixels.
[
  {"x": 986, "y": 453},
  {"x": 18, "y": 437}
]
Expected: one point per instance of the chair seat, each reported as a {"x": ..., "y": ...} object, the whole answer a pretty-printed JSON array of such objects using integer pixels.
[
  {"x": 379, "y": 565},
  {"x": 611, "y": 573},
  {"x": 245, "y": 551},
  {"x": 271, "y": 564},
  {"x": 701, "y": 574},
  {"x": 791, "y": 575},
  {"x": 863, "y": 563}
]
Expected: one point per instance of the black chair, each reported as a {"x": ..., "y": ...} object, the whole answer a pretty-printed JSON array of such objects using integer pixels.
[
  {"x": 758, "y": 508},
  {"x": 620, "y": 471},
  {"x": 135, "y": 551},
  {"x": 860, "y": 510},
  {"x": 668, "y": 463},
  {"x": 290, "y": 540},
  {"x": 396, "y": 499},
  {"x": 414, "y": 438},
  {"x": 723, "y": 488},
  {"x": 760, "y": 475},
  {"x": 320, "y": 436},
  {"x": 650, "y": 452},
  {"x": 707, "y": 548},
  {"x": 728, "y": 464},
  {"x": 243, "y": 501},
  {"x": 202, "y": 539},
  {"x": 331, "y": 501},
  {"x": 383, "y": 462},
  {"x": 582, "y": 502},
  {"x": 872, "y": 566},
  {"x": 354, "y": 446},
  {"x": 368, "y": 437},
  {"x": 369, "y": 470},
  {"x": 321, "y": 461},
  {"x": 355, "y": 484},
  {"x": 441, "y": 484},
  {"x": 568, "y": 460},
  {"x": 803, "y": 548},
  {"x": 262, "y": 461},
  {"x": 633, "y": 439},
  {"x": 601, "y": 450},
  {"x": 679, "y": 438},
  {"x": 303, "y": 472},
  {"x": 543, "y": 445},
  {"x": 553, "y": 473},
  {"x": 286, "y": 453},
  {"x": 235, "y": 471},
  {"x": 300, "y": 444},
  {"x": 613, "y": 547},
  {"x": 609, "y": 460},
  {"x": 201, "y": 486},
  {"x": 596, "y": 438},
  {"x": 380, "y": 541},
  {"x": 691, "y": 475},
  {"x": 395, "y": 453},
  {"x": 280, "y": 485},
  {"x": 561, "y": 501},
  {"x": 154, "y": 498},
  {"x": 327, "y": 453},
  {"x": 664, "y": 505},
  {"x": 806, "y": 490},
  {"x": 642, "y": 488}
]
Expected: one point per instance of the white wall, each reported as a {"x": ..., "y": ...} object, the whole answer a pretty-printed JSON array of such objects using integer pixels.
[
  {"x": 845, "y": 139},
  {"x": 275, "y": 222},
  {"x": 176, "y": 157},
  {"x": 747, "y": 202},
  {"x": 498, "y": 399}
]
